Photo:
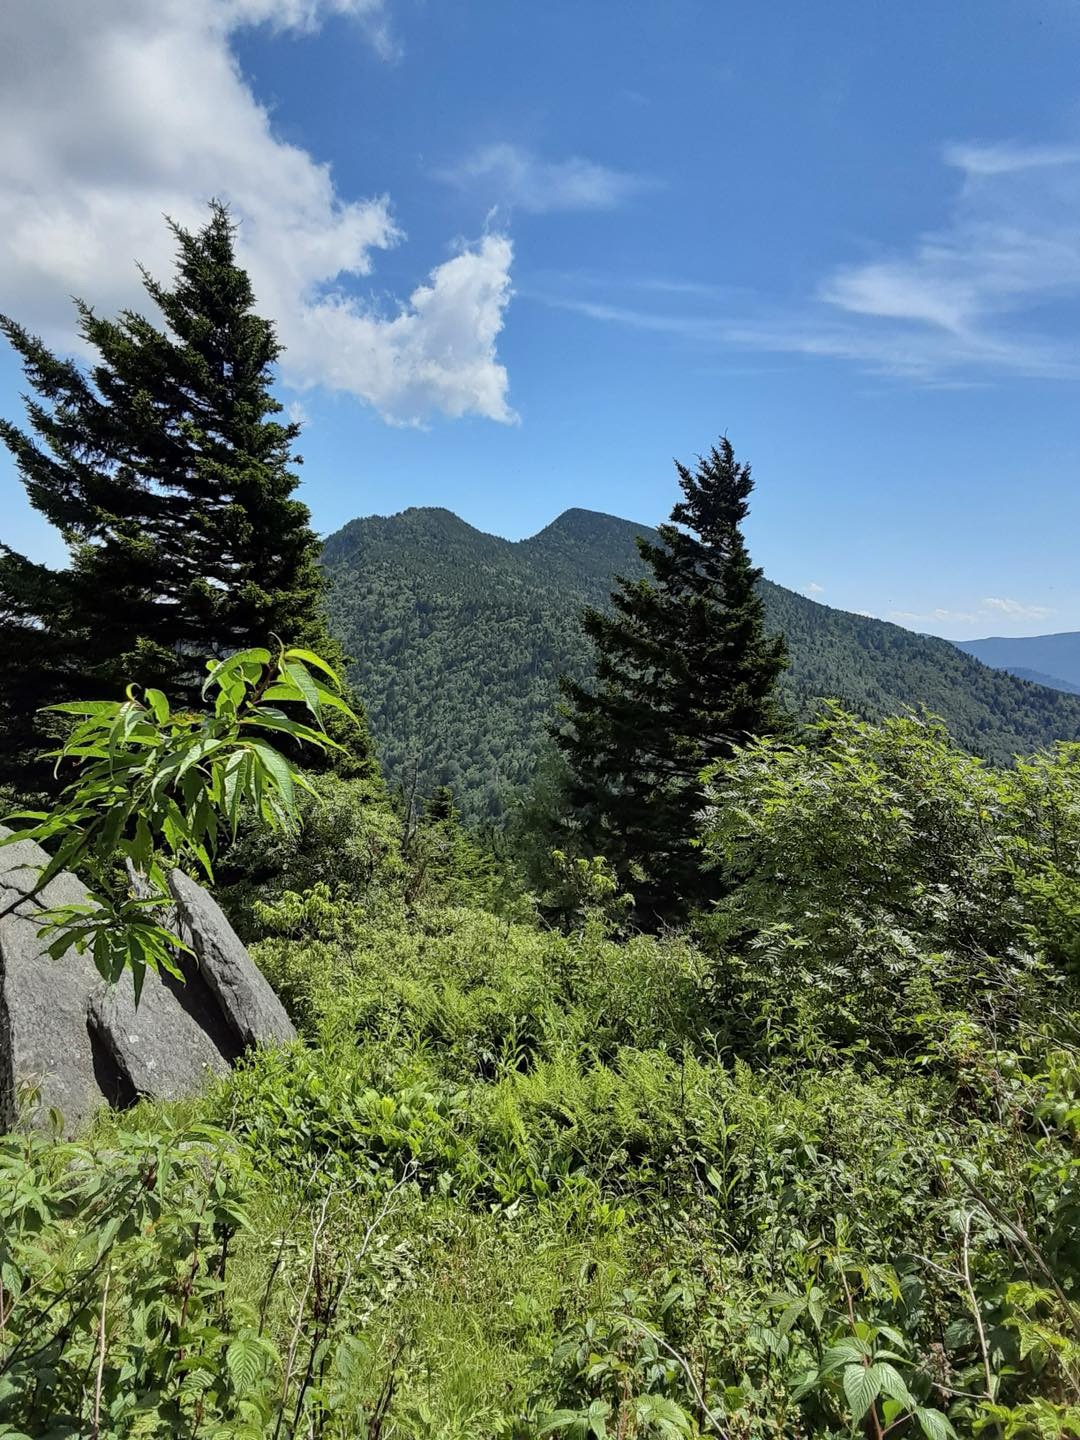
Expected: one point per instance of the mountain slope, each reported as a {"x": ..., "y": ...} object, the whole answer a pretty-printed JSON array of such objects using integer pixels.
[
  {"x": 458, "y": 638},
  {"x": 1038, "y": 678},
  {"x": 1053, "y": 659}
]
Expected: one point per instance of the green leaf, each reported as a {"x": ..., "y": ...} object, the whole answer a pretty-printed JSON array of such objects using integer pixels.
[
  {"x": 862, "y": 1385},
  {"x": 310, "y": 658},
  {"x": 893, "y": 1384},
  {"x": 278, "y": 768},
  {"x": 848, "y": 1352},
  {"x": 560, "y": 1420},
  {"x": 244, "y": 1360},
  {"x": 87, "y": 707},
  {"x": 159, "y": 705},
  {"x": 599, "y": 1411},
  {"x": 935, "y": 1425},
  {"x": 662, "y": 1413},
  {"x": 300, "y": 677}
]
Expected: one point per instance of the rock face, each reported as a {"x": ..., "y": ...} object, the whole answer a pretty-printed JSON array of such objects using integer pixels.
[
  {"x": 46, "y": 1043},
  {"x": 78, "y": 1043},
  {"x": 246, "y": 999},
  {"x": 167, "y": 1044}
]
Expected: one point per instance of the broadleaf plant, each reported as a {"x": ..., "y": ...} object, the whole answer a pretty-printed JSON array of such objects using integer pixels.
[{"x": 154, "y": 788}]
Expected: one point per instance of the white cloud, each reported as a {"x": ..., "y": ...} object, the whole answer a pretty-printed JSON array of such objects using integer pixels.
[
  {"x": 1013, "y": 610},
  {"x": 967, "y": 295},
  {"x": 439, "y": 352},
  {"x": 1008, "y": 158},
  {"x": 994, "y": 290},
  {"x": 1016, "y": 609},
  {"x": 944, "y": 617},
  {"x": 512, "y": 175},
  {"x": 134, "y": 110},
  {"x": 813, "y": 588}
]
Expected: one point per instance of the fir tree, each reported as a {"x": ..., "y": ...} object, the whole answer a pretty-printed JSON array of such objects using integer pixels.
[
  {"x": 169, "y": 474},
  {"x": 685, "y": 670}
]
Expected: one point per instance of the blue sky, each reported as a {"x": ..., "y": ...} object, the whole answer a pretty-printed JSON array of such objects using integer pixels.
[{"x": 523, "y": 255}]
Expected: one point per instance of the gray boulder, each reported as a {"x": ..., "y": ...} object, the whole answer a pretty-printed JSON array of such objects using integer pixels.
[
  {"x": 79, "y": 1043},
  {"x": 44, "y": 1040},
  {"x": 244, "y": 994},
  {"x": 169, "y": 1043}
]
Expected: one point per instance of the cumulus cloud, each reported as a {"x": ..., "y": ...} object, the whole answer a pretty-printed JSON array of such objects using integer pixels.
[
  {"x": 121, "y": 111},
  {"x": 511, "y": 175}
]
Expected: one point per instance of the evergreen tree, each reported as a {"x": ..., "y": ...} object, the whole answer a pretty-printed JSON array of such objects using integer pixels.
[
  {"x": 168, "y": 472},
  {"x": 685, "y": 670}
]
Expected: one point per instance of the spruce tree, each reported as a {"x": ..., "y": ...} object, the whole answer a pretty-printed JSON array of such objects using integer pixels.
[
  {"x": 685, "y": 670},
  {"x": 168, "y": 472}
]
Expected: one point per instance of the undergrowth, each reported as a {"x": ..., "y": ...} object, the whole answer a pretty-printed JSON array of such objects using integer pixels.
[{"x": 514, "y": 1181}]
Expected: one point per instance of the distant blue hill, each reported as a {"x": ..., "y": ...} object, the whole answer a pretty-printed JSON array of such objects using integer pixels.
[{"x": 1052, "y": 660}]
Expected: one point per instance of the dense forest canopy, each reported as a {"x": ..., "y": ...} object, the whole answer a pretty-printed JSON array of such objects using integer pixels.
[{"x": 458, "y": 639}]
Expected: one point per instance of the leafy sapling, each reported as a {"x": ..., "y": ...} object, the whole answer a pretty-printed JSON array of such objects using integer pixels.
[{"x": 154, "y": 789}]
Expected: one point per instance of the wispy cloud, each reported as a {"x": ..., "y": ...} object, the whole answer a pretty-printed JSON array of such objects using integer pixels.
[
  {"x": 1016, "y": 609},
  {"x": 511, "y": 175},
  {"x": 995, "y": 289},
  {"x": 969, "y": 294},
  {"x": 1009, "y": 158},
  {"x": 940, "y": 616},
  {"x": 813, "y": 588}
]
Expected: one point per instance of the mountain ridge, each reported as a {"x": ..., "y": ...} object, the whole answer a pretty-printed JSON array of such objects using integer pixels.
[
  {"x": 1054, "y": 657},
  {"x": 458, "y": 638}
]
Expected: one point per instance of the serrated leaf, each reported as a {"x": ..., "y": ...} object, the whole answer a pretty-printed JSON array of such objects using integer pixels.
[
  {"x": 848, "y": 1352},
  {"x": 862, "y": 1385},
  {"x": 934, "y": 1425},
  {"x": 86, "y": 707},
  {"x": 894, "y": 1385},
  {"x": 277, "y": 767},
  {"x": 300, "y": 676},
  {"x": 244, "y": 1362},
  {"x": 559, "y": 1420},
  {"x": 310, "y": 658}
]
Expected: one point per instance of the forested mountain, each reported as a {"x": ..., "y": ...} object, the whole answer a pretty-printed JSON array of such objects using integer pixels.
[
  {"x": 1052, "y": 660},
  {"x": 458, "y": 638}
]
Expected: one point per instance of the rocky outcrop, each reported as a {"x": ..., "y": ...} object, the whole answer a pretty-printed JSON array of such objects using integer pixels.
[
  {"x": 76, "y": 1043},
  {"x": 169, "y": 1043},
  {"x": 243, "y": 992}
]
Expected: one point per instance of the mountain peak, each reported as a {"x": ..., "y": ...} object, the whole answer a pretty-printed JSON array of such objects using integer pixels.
[
  {"x": 460, "y": 638},
  {"x": 580, "y": 524}
]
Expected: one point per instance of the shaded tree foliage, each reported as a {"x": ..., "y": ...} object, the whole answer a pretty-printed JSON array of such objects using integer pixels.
[
  {"x": 165, "y": 467},
  {"x": 685, "y": 670}
]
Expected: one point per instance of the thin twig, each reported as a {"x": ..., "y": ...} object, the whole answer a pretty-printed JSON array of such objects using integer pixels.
[
  {"x": 1028, "y": 1244},
  {"x": 96, "y": 1429},
  {"x": 684, "y": 1366},
  {"x": 309, "y": 1281},
  {"x": 872, "y": 1414},
  {"x": 965, "y": 1258},
  {"x": 384, "y": 1209}
]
